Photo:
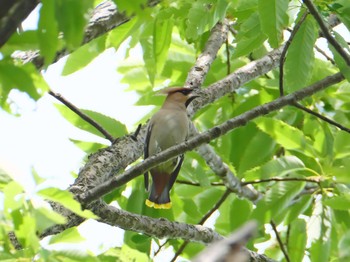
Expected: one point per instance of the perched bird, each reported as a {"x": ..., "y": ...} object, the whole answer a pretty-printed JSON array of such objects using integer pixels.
[{"x": 168, "y": 127}]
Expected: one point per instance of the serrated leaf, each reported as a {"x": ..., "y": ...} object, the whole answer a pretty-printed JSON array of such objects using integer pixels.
[
  {"x": 67, "y": 200},
  {"x": 70, "y": 235},
  {"x": 302, "y": 204},
  {"x": 4, "y": 179},
  {"x": 338, "y": 202},
  {"x": 24, "y": 78},
  {"x": 147, "y": 43},
  {"x": 300, "y": 56},
  {"x": 344, "y": 68},
  {"x": 281, "y": 195},
  {"x": 87, "y": 147},
  {"x": 273, "y": 18},
  {"x": 84, "y": 55},
  {"x": 250, "y": 36},
  {"x": 119, "y": 34},
  {"x": 343, "y": 247},
  {"x": 251, "y": 157},
  {"x": 112, "y": 126},
  {"x": 297, "y": 240},
  {"x": 48, "y": 31},
  {"x": 276, "y": 167},
  {"x": 162, "y": 38},
  {"x": 46, "y": 218},
  {"x": 197, "y": 19},
  {"x": 341, "y": 145},
  {"x": 287, "y": 136},
  {"x": 131, "y": 7},
  {"x": 344, "y": 12},
  {"x": 319, "y": 228},
  {"x": 72, "y": 17}
]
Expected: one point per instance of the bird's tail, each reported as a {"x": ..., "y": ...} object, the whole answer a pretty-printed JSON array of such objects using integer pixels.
[{"x": 161, "y": 201}]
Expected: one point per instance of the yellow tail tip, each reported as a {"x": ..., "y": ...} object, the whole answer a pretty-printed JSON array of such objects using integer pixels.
[{"x": 157, "y": 206}]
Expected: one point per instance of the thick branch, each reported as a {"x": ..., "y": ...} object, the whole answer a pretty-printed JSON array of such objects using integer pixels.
[
  {"x": 155, "y": 227},
  {"x": 12, "y": 13},
  {"x": 206, "y": 137},
  {"x": 199, "y": 71},
  {"x": 104, "y": 18}
]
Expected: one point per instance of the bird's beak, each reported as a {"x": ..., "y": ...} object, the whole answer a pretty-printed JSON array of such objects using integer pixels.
[{"x": 190, "y": 99}]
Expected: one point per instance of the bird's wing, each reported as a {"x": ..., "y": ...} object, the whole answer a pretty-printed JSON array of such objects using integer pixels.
[
  {"x": 148, "y": 135},
  {"x": 176, "y": 171}
]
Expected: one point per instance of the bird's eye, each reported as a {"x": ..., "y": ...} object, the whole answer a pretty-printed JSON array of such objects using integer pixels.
[{"x": 186, "y": 91}]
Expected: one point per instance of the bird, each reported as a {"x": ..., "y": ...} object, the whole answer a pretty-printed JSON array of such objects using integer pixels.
[{"x": 168, "y": 127}]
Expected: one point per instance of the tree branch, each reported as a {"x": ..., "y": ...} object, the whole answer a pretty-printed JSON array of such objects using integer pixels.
[
  {"x": 12, "y": 13},
  {"x": 155, "y": 227},
  {"x": 202, "y": 221},
  {"x": 326, "y": 119},
  {"x": 206, "y": 137},
  {"x": 279, "y": 240},
  {"x": 104, "y": 18},
  {"x": 85, "y": 117},
  {"x": 281, "y": 179},
  {"x": 198, "y": 72},
  {"x": 325, "y": 31}
]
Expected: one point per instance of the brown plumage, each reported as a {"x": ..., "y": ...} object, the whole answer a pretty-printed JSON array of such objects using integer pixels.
[{"x": 168, "y": 127}]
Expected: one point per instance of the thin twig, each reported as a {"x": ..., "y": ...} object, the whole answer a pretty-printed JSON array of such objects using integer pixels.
[
  {"x": 202, "y": 221},
  {"x": 184, "y": 182},
  {"x": 284, "y": 251},
  {"x": 326, "y": 119},
  {"x": 228, "y": 57},
  {"x": 136, "y": 133},
  {"x": 325, "y": 31},
  {"x": 82, "y": 115},
  {"x": 285, "y": 49},
  {"x": 281, "y": 179},
  {"x": 330, "y": 59}
]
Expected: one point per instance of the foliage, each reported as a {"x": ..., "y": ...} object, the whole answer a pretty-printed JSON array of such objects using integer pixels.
[{"x": 311, "y": 200}]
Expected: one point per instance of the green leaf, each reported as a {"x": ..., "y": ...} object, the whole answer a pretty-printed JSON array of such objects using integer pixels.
[
  {"x": 24, "y": 78},
  {"x": 198, "y": 19},
  {"x": 344, "y": 12},
  {"x": 287, "y": 136},
  {"x": 276, "y": 200},
  {"x": 131, "y": 7},
  {"x": 87, "y": 147},
  {"x": 298, "y": 208},
  {"x": 297, "y": 240},
  {"x": 147, "y": 43},
  {"x": 45, "y": 218},
  {"x": 281, "y": 166},
  {"x": 48, "y": 31},
  {"x": 338, "y": 202},
  {"x": 70, "y": 235},
  {"x": 344, "y": 68},
  {"x": 341, "y": 145},
  {"x": 343, "y": 246},
  {"x": 72, "y": 17},
  {"x": 119, "y": 34},
  {"x": 274, "y": 18},
  {"x": 84, "y": 55},
  {"x": 112, "y": 126},
  {"x": 163, "y": 27},
  {"x": 281, "y": 195},
  {"x": 319, "y": 230},
  {"x": 27, "y": 40},
  {"x": 300, "y": 56},
  {"x": 4, "y": 178},
  {"x": 249, "y": 37},
  {"x": 67, "y": 200}
]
